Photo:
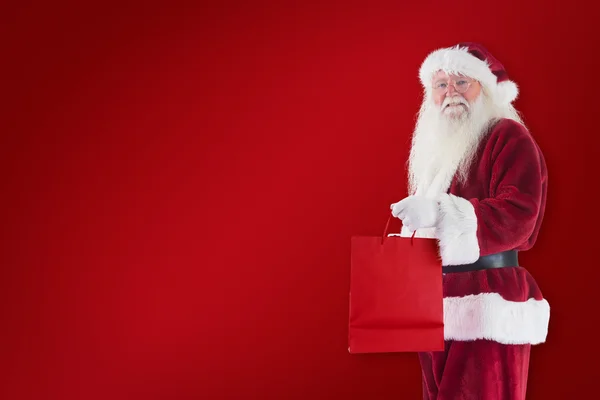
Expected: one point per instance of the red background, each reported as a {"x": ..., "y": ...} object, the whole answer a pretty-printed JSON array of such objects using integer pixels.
[{"x": 180, "y": 185}]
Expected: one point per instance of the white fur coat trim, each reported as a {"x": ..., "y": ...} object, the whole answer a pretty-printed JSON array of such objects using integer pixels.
[
  {"x": 489, "y": 316},
  {"x": 457, "y": 231},
  {"x": 458, "y": 60}
]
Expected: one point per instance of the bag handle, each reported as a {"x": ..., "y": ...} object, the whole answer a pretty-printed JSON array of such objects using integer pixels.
[{"x": 385, "y": 230}]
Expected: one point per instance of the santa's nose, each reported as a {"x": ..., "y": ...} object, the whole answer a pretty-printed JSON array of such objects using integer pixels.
[{"x": 451, "y": 90}]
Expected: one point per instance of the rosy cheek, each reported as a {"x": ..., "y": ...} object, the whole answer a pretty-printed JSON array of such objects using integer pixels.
[{"x": 472, "y": 93}]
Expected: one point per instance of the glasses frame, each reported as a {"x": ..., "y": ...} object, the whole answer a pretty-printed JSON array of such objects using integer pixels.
[{"x": 452, "y": 82}]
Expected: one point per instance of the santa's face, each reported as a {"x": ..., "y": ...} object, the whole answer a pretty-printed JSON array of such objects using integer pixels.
[
  {"x": 454, "y": 94},
  {"x": 452, "y": 119}
]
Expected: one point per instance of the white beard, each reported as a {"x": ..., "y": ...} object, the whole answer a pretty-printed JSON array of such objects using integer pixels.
[{"x": 444, "y": 146}]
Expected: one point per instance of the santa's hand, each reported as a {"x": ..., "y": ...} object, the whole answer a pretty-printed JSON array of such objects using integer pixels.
[{"x": 416, "y": 212}]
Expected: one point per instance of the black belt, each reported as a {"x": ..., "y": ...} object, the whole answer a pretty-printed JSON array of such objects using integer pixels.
[{"x": 499, "y": 260}]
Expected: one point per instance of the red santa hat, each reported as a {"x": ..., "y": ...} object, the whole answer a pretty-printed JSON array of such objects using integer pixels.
[{"x": 474, "y": 61}]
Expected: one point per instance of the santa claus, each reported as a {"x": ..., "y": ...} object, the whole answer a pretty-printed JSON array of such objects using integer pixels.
[{"x": 477, "y": 183}]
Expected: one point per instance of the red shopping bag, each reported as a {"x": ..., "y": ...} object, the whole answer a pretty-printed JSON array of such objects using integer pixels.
[{"x": 396, "y": 300}]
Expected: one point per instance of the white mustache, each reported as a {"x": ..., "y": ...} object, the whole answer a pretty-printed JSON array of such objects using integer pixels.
[{"x": 453, "y": 101}]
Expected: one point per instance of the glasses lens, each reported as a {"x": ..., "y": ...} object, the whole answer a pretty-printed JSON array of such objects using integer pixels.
[
  {"x": 440, "y": 86},
  {"x": 461, "y": 85}
]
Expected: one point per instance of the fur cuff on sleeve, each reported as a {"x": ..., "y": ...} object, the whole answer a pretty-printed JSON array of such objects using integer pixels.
[{"x": 457, "y": 231}]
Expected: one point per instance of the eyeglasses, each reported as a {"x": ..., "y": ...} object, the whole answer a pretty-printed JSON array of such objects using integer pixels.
[{"x": 461, "y": 84}]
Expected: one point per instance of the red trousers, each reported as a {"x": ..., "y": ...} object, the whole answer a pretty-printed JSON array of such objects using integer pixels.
[{"x": 476, "y": 370}]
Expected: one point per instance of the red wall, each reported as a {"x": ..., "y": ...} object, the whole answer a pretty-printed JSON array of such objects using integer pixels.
[{"x": 181, "y": 184}]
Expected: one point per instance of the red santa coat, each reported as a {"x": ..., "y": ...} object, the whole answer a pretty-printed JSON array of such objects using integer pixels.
[{"x": 499, "y": 207}]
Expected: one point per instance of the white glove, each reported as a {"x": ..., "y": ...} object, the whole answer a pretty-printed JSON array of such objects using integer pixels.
[{"x": 417, "y": 212}]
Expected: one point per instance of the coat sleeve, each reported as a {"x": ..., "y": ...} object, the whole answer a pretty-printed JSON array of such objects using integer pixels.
[{"x": 508, "y": 218}]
